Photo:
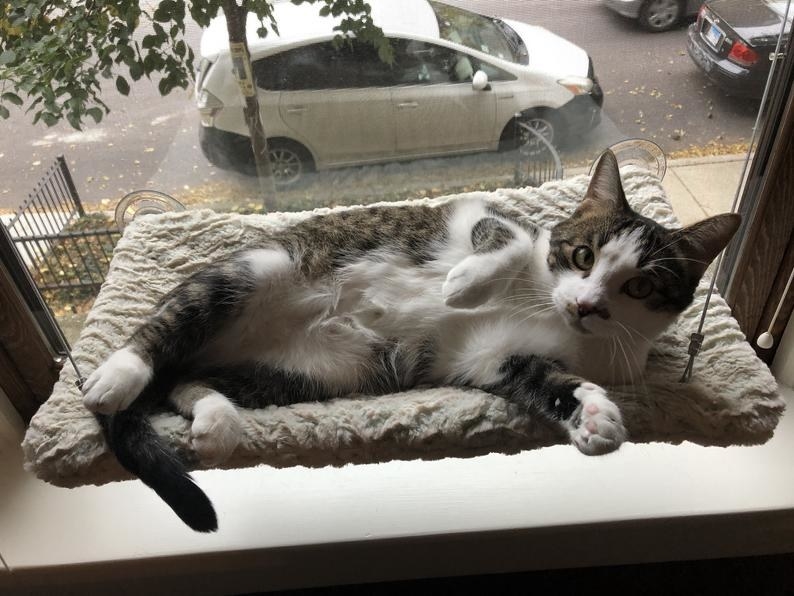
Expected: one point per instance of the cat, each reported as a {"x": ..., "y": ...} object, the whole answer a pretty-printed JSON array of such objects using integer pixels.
[{"x": 378, "y": 300}]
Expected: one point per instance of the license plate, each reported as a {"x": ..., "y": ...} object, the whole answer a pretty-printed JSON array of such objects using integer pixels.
[{"x": 713, "y": 35}]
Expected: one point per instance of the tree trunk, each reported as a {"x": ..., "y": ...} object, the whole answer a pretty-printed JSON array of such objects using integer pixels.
[{"x": 241, "y": 59}]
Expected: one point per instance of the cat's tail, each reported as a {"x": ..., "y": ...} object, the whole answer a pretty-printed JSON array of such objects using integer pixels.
[{"x": 133, "y": 440}]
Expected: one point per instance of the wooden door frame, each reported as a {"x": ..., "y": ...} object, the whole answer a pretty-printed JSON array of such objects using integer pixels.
[{"x": 758, "y": 266}]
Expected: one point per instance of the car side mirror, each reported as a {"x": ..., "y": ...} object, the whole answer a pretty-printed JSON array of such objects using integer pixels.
[{"x": 479, "y": 81}]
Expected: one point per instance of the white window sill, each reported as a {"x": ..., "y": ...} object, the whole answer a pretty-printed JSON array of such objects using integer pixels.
[{"x": 300, "y": 527}]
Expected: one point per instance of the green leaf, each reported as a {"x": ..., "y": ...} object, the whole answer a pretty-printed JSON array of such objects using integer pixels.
[
  {"x": 136, "y": 70},
  {"x": 8, "y": 57},
  {"x": 49, "y": 119},
  {"x": 161, "y": 15},
  {"x": 95, "y": 113},
  {"x": 4, "y": 113},
  {"x": 12, "y": 98},
  {"x": 74, "y": 120},
  {"x": 122, "y": 85}
]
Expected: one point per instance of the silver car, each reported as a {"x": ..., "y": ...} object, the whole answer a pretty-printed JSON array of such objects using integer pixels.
[
  {"x": 458, "y": 83},
  {"x": 656, "y": 15}
]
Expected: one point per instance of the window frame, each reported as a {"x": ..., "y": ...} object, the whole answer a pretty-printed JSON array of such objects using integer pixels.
[{"x": 754, "y": 272}]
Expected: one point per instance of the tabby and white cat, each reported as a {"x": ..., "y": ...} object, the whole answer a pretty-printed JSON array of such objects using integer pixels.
[{"x": 383, "y": 299}]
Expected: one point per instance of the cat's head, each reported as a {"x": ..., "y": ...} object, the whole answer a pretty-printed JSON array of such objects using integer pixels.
[{"x": 621, "y": 274}]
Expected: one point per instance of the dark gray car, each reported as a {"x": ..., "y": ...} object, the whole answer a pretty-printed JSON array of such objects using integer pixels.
[
  {"x": 733, "y": 42},
  {"x": 655, "y": 15}
]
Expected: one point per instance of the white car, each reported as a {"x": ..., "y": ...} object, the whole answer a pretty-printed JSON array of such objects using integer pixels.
[{"x": 458, "y": 82}]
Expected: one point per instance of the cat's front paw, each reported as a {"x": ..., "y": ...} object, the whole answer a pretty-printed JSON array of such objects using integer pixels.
[
  {"x": 116, "y": 383},
  {"x": 216, "y": 430},
  {"x": 466, "y": 285},
  {"x": 597, "y": 426}
]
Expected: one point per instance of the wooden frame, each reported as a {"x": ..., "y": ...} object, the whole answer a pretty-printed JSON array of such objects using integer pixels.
[{"x": 759, "y": 267}]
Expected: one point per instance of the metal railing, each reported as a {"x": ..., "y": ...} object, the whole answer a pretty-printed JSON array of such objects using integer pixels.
[
  {"x": 62, "y": 246},
  {"x": 537, "y": 160}
]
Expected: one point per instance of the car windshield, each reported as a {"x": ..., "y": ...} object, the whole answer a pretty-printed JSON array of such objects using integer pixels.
[
  {"x": 779, "y": 8},
  {"x": 478, "y": 32}
]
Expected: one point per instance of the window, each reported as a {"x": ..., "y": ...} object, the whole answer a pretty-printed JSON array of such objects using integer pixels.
[
  {"x": 345, "y": 128},
  {"x": 419, "y": 62},
  {"x": 323, "y": 66}
]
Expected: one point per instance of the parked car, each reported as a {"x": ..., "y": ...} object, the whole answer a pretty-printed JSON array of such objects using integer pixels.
[
  {"x": 656, "y": 15},
  {"x": 458, "y": 83},
  {"x": 733, "y": 42}
]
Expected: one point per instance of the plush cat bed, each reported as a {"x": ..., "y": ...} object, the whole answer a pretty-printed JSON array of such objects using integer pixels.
[{"x": 731, "y": 400}]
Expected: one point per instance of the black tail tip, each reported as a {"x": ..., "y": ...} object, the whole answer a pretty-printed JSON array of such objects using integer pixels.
[{"x": 202, "y": 520}]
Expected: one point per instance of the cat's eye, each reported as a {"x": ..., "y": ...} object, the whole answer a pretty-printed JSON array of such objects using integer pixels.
[
  {"x": 638, "y": 287},
  {"x": 583, "y": 258}
]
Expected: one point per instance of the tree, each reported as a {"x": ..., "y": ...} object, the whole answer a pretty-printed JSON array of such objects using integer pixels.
[{"x": 57, "y": 54}]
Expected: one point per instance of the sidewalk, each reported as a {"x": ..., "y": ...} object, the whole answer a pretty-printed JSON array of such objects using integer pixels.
[{"x": 703, "y": 186}]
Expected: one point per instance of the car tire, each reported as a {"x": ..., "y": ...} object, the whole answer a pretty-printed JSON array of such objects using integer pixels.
[
  {"x": 660, "y": 15},
  {"x": 291, "y": 162},
  {"x": 543, "y": 120}
]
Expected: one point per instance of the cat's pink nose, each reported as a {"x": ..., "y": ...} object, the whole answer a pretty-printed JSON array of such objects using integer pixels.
[{"x": 585, "y": 308}]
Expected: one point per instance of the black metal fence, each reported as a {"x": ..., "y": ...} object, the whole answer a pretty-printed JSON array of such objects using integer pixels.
[
  {"x": 63, "y": 247},
  {"x": 537, "y": 160}
]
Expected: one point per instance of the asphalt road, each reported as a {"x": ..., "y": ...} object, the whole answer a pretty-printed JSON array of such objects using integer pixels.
[{"x": 653, "y": 90}]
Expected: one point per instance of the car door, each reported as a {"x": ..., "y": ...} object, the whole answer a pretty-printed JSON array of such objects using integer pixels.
[
  {"x": 337, "y": 101},
  {"x": 435, "y": 107}
]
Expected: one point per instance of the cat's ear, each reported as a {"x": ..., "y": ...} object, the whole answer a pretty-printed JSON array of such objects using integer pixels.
[
  {"x": 703, "y": 241},
  {"x": 605, "y": 192}
]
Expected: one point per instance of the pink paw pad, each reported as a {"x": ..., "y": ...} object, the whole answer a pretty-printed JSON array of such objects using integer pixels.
[
  {"x": 592, "y": 409},
  {"x": 591, "y": 426}
]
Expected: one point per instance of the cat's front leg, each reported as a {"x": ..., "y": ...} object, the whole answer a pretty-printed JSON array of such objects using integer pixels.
[
  {"x": 472, "y": 282},
  {"x": 596, "y": 425},
  {"x": 541, "y": 386}
]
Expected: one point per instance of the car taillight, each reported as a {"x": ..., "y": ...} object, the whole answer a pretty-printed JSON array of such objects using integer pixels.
[
  {"x": 742, "y": 54},
  {"x": 208, "y": 106}
]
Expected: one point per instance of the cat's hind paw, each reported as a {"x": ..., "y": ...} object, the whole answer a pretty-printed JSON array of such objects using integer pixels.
[
  {"x": 116, "y": 383},
  {"x": 216, "y": 430},
  {"x": 597, "y": 426}
]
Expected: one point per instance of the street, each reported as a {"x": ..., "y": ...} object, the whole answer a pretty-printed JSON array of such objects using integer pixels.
[{"x": 652, "y": 90}]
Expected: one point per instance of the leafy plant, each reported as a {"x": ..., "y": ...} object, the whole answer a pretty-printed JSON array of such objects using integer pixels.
[{"x": 56, "y": 56}]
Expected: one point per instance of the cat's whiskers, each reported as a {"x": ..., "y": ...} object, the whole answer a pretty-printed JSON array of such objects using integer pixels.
[
  {"x": 531, "y": 315},
  {"x": 668, "y": 245},
  {"x": 679, "y": 259},
  {"x": 635, "y": 359},
  {"x": 653, "y": 266}
]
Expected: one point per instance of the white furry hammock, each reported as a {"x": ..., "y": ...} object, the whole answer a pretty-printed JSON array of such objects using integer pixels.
[{"x": 732, "y": 398}]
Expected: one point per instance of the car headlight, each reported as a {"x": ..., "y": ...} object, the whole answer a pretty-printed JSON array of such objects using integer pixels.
[
  {"x": 208, "y": 106},
  {"x": 577, "y": 85}
]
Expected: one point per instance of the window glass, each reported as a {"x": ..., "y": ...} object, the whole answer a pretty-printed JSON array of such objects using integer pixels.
[
  {"x": 323, "y": 66},
  {"x": 578, "y": 73},
  {"x": 475, "y": 31},
  {"x": 419, "y": 62}
]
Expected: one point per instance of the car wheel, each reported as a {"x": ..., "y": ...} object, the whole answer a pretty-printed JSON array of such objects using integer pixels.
[
  {"x": 542, "y": 121},
  {"x": 290, "y": 161},
  {"x": 660, "y": 15}
]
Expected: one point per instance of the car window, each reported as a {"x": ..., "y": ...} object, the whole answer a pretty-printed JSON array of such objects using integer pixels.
[
  {"x": 324, "y": 66},
  {"x": 419, "y": 62},
  {"x": 475, "y": 31}
]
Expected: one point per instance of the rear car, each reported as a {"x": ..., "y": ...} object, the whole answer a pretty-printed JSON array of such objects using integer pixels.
[
  {"x": 733, "y": 42},
  {"x": 458, "y": 83},
  {"x": 655, "y": 15}
]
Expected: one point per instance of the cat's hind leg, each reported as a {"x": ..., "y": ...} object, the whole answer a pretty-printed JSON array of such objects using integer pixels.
[
  {"x": 183, "y": 323},
  {"x": 217, "y": 427}
]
